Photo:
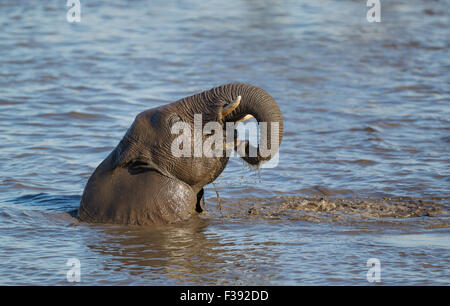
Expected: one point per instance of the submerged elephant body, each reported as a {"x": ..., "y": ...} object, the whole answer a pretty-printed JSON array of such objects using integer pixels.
[
  {"x": 119, "y": 197},
  {"x": 142, "y": 182}
]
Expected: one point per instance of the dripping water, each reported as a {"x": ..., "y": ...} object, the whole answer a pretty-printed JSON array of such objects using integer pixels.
[
  {"x": 218, "y": 198},
  {"x": 252, "y": 168}
]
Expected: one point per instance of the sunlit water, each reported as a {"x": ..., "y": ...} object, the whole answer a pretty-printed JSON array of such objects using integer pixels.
[{"x": 363, "y": 169}]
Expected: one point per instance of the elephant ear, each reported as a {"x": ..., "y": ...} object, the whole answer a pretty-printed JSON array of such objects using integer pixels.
[
  {"x": 129, "y": 154},
  {"x": 133, "y": 156}
]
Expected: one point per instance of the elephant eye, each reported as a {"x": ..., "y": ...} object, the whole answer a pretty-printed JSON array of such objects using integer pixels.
[{"x": 172, "y": 119}]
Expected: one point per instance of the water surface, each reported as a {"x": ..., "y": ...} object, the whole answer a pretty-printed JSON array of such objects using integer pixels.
[{"x": 364, "y": 164}]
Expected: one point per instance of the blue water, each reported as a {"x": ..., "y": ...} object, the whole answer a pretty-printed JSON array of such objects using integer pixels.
[{"x": 364, "y": 164}]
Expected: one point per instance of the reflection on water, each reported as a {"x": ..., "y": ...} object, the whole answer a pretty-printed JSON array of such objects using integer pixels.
[
  {"x": 239, "y": 247},
  {"x": 181, "y": 253},
  {"x": 363, "y": 168}
]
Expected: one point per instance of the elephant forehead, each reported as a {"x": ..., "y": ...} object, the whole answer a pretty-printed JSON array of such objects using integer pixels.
[
  {"x": 145, "y": 122},
  {"x": 156, "y": 117},
  {"x": 151, "y": 128}
]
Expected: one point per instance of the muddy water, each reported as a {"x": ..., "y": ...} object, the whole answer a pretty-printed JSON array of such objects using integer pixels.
[{"x": 363, "y": 169}]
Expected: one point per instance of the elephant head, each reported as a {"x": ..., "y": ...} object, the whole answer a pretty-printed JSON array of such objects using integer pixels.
[{"x": 142, "y": 181}]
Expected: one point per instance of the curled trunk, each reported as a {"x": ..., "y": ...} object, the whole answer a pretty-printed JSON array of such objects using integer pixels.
[{"x": 258, "y": 103}]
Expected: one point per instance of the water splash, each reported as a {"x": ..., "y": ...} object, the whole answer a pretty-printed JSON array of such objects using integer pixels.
[{"x": 319, "y": 209}]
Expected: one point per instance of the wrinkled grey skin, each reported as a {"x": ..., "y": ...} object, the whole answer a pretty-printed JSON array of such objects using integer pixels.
[{"x": 142, "y": 183}]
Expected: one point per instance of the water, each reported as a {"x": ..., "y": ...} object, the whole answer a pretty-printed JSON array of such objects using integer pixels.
[{"x": 364, "y": 165}]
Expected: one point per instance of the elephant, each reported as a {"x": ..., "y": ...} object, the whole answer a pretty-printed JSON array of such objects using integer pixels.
[{"x": 141, "y": 182}]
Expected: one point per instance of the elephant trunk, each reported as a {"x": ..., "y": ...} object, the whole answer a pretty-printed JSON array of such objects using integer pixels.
[{"x": 258, "y": 103}]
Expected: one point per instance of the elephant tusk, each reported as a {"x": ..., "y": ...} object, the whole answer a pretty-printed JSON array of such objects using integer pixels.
[
  {"x": 246, "y": 117},
  {"x": 229, "y": 146},
  {"x": 233, "y": 145},
  {"x": 229, "y": 108}
]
